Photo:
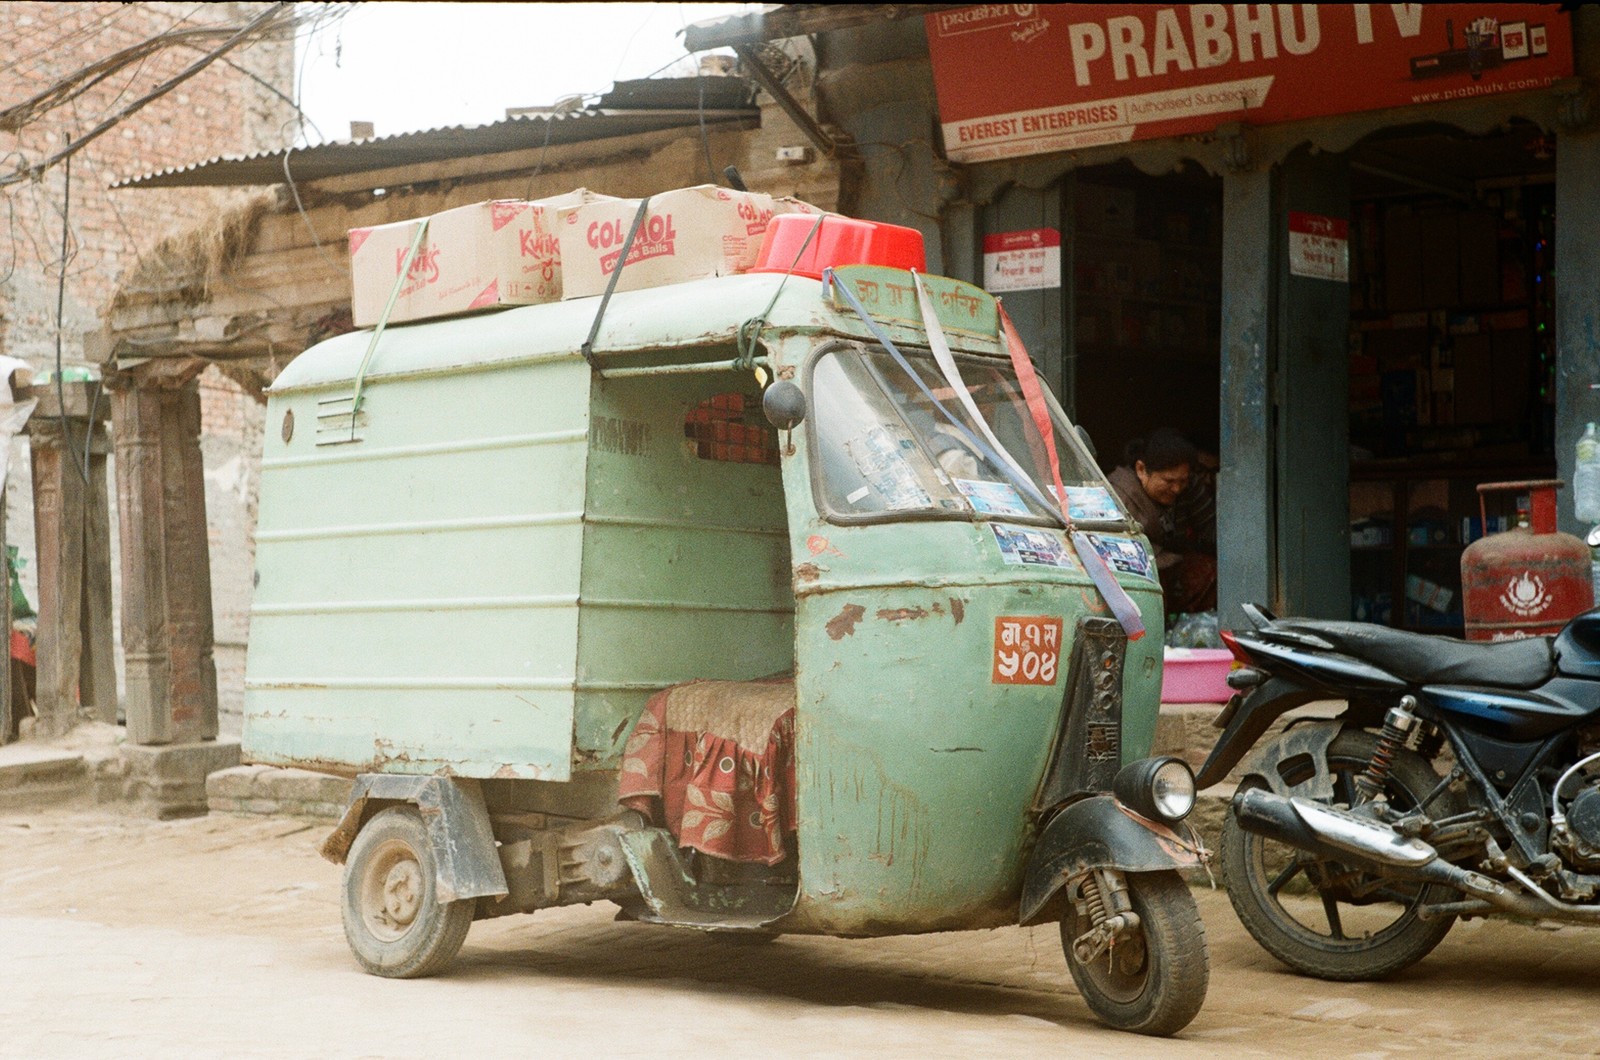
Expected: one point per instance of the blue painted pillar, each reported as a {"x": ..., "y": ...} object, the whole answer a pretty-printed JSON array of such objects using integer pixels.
[
  {"x": 1244, "y": 484},
  {"x": 1311, "y": 392},
  {"x": 1282, "y": 494},
  {"x": 1577, "y": 300}
]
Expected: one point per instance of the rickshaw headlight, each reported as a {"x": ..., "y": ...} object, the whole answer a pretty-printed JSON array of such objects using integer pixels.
[{"x": 1158, "y": 788}]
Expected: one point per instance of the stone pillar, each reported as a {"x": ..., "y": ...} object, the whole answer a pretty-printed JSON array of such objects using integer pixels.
[
  {"x": 166, "y": 562},
  {"x": 72, "y": 531}
]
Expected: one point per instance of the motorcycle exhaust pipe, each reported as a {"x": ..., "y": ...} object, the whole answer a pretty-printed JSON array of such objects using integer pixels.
[{"x": 1361, "y": 841}]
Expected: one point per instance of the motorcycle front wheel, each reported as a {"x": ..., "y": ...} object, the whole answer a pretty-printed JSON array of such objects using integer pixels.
[
  {"x": 1323, "y": 918},
  {"x": 1155, "y": 981}
]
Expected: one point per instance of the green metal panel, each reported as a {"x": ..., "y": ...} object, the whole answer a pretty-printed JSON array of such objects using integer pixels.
[
  {"x": 915, "y": 772},
  {"x": 416, "y": 604},
  {"x": 685, "y": 560}
]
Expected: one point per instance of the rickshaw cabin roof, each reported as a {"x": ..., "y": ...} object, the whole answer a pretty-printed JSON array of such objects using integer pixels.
[{"x": 684, "y": 316}]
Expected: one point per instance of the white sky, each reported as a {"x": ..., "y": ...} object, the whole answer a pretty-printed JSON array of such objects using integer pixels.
[{"x": 410, "y": 66}]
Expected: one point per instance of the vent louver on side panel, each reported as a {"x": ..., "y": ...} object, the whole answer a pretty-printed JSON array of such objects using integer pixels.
[{"x": 338, "y": 422}]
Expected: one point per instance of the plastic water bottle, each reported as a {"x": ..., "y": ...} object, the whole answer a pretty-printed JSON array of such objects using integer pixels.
[{"x": 1586, "y": 478}]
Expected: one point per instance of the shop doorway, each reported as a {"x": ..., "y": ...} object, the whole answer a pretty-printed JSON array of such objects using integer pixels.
[
  {"x": 1452, "y": 355},
  {"x": 1145, "y": 305}
]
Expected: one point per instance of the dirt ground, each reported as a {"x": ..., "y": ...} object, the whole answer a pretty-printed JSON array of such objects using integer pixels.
[{"x": 220, "y": 936}]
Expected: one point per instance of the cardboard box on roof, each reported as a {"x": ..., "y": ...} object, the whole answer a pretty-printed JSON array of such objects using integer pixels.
[
  {"x": 688, "y": 234},
  {"x": 494, "y": 253},
  {"x": 790, "y": 204}
]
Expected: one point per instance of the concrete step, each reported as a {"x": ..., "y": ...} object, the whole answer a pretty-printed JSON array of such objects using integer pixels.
[
  {"x": 39, "y": 775},
  {"x": 271, "y": 790}
]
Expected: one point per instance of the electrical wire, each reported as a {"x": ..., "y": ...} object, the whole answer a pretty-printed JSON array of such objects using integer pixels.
[
  {"x": 75, "y": 84},
  {"x": 705, "y": 140},
  {"x": 68, "y": 252},
  {"x": 62, "y": 43},
  {"x": 154, "y": 94}
]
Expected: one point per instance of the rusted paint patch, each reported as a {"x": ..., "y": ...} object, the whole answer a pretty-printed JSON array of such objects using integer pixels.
[
  {"x": 958, "y": 609},
  {"x": 807, "y": 572},
  {"x": 843, "y": 624},
  {"x": 953, "y": 750},
  {"x": 902, "y": 614}
]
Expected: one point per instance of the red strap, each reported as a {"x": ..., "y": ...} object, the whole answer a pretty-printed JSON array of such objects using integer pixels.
[
  {"x": 1034, "y": 395},
  {"x": 1116, "y": 597}
]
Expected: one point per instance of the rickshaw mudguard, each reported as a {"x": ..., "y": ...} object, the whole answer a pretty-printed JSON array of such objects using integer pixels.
[
  {"x": 1098, "y": 833},
  {"x": 466, "y": 862}
]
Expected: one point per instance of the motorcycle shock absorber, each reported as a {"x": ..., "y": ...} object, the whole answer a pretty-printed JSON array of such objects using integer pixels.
[{"x": 1397, "y": 726}]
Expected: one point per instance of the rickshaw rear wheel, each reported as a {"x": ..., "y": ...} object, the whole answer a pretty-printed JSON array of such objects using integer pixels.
[
  {"x": 1155, "y": 982},
  {"x": 393, "y": 919}
]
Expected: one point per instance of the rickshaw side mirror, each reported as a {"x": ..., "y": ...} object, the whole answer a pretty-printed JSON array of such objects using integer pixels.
[{"x": 785, "y": 405}]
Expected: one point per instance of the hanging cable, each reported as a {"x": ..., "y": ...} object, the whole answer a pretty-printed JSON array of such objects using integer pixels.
[
  {"x": 154, "y": 94},
  {"x": 70, "y": 451}
]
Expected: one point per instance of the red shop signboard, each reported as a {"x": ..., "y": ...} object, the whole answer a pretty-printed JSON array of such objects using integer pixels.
[{"x": 1024, "y": 79}]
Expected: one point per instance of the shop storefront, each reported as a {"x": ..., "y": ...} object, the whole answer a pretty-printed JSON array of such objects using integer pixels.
[{"x": 1321, "y": 240}]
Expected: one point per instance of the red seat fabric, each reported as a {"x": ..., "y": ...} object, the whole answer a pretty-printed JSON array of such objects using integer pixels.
[{"x": 713, "y": 763}]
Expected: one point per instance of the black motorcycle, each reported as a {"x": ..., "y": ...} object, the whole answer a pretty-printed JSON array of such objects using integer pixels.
[{"x": 1462, "y": 779}]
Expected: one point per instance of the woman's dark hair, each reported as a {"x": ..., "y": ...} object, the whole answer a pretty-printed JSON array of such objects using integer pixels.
[{"x": 1163, "y": 450}]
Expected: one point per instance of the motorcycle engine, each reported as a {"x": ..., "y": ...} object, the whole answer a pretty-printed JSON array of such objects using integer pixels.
[{"x": 1579, "y": 842}]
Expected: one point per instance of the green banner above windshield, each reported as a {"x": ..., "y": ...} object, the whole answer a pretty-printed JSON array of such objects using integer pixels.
[{"x": 889, "y": 295}]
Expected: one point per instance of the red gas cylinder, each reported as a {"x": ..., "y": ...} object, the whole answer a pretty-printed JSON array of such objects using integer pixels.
[{"x": 1527, "y": 581}]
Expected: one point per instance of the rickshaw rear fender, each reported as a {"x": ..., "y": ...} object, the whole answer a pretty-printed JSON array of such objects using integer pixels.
[
  {"x": 1098, "y": 833},
  {"x": 466, "y": 862}
]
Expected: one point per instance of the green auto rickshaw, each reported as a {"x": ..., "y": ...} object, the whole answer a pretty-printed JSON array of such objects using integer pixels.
[{"x": 751, "y": 604}]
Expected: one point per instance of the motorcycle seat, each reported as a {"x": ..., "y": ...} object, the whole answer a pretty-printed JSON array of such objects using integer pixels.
[{"x": 1423, "y": 660}]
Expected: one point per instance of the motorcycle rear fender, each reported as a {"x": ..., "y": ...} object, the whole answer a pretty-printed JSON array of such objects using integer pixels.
[
  {"x": 1310, "y": 739},
  {"x": 1247, "y": 717},
  {"x": 1100, "y": 833}
]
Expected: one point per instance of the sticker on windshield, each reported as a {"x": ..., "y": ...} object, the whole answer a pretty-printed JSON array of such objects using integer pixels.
[
  {"x": 881, "y": 459},
  {"x": 1122, "y": 554},
  {"x": 991, "y": 498},
  {"x": 1039, "y": 548},
  {"x": 1091, "y": 504}
]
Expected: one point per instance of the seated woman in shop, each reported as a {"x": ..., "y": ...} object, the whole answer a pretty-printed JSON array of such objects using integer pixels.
[{"x": 1155, "y": 475}]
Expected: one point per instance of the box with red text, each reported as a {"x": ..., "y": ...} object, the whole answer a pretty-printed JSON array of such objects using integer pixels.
[
  {"x": 687, "y": 234},
  {"x": 501, "y": 252}
]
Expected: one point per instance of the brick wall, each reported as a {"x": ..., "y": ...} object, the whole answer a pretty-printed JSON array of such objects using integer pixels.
[{"x": 234, "y": 106}]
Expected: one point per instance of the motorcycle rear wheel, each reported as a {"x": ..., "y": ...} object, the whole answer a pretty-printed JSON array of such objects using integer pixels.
[{"x": 1352, "y": 925}]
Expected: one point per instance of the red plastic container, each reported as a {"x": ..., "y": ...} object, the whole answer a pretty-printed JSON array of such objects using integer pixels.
[{"x": 840, "y": 241}]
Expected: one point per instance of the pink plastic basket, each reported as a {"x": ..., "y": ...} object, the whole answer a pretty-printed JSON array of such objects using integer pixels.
[{"x": 1196, "y": 675}]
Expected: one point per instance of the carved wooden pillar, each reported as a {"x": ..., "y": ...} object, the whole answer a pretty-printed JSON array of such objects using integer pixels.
[
  {"x": 72, "y": 533},
  {"x": 166, "y": 561}
]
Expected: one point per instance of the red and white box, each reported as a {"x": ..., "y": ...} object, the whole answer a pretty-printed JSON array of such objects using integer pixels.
[
  {"x": 790, "y": 204},
  {"x": 688, "y": 234},
  {"x": 495, "y": 253}
]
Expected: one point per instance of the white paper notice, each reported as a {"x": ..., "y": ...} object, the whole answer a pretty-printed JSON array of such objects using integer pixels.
[
  {"x": 1022, "y": 261},
  {"x": 1319, "y": 247}
]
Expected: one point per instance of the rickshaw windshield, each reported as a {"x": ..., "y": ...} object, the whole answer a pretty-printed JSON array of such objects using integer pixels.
[{"x": 884, "y": 450}]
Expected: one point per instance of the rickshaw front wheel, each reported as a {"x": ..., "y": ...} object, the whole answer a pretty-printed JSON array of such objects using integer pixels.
[
  {"x": 1153, "y": 982},
  {"x": 393, "y": 919}
]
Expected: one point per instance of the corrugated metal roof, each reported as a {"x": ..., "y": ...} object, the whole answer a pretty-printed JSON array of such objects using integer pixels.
[{"x": 632, "y": 107}]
